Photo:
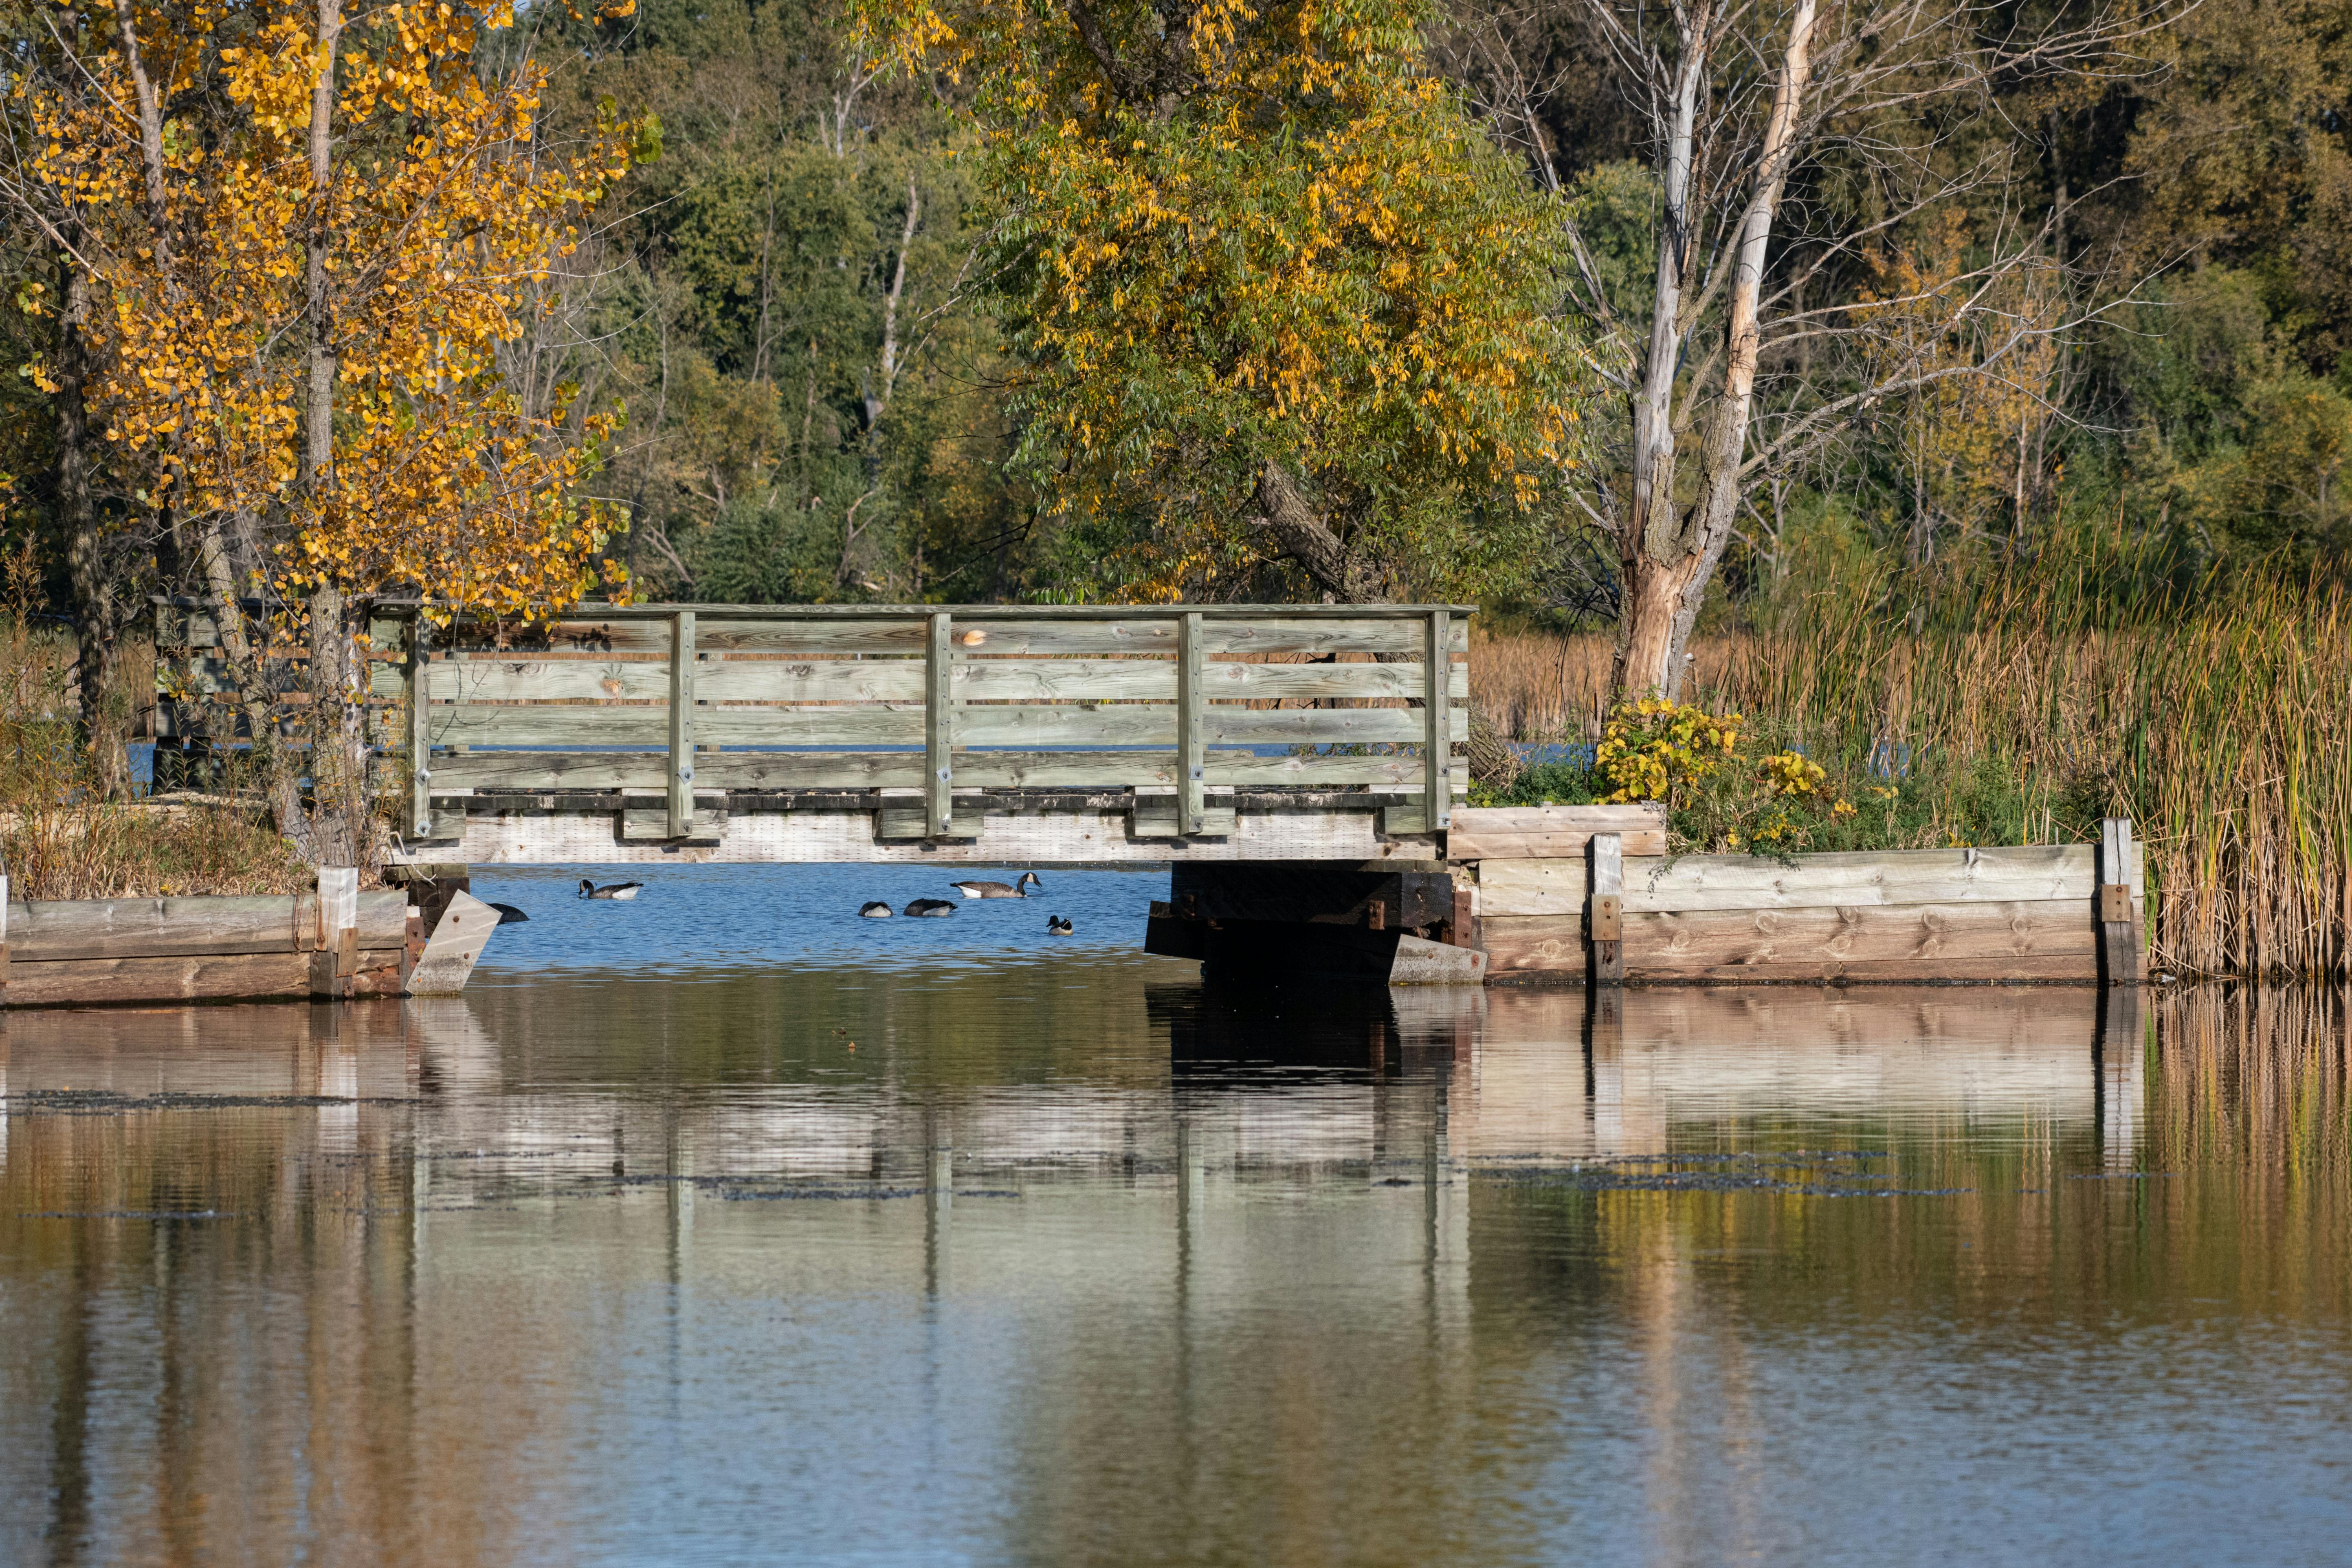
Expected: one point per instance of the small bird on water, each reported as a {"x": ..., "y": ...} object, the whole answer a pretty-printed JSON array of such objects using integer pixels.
[
  {"x": 935, "y": 908},
  {"x": 999, "y": 889},
  {"x": 589, "y": 889},
  {"x": 1057, "y": 926},
  {"x": 876, "y": 910}
]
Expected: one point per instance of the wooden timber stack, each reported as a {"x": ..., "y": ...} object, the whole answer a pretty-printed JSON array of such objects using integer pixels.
[
  {"x": 1567, "y": 895},
  {"x": 333, "y": 943}
]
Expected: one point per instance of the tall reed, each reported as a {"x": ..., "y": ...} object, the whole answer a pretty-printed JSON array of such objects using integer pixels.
[{"x": 2216, "y": 714}]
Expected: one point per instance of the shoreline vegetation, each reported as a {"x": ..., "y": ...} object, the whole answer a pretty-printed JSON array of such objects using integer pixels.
[{"x": 2020, "y": 709}]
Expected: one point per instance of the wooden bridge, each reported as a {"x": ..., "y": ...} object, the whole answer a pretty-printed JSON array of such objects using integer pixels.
[{"x": 1075, "y": 735}]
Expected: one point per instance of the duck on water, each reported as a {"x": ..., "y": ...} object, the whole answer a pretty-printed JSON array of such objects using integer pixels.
[
  {"x": 999, "y": 889},
  {"x": 932, "y": 908},
  {"x": 589, "y": 889}
]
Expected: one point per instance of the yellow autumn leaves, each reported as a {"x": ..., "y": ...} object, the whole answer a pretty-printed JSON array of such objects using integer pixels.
[{"x": 445, "y": 215}]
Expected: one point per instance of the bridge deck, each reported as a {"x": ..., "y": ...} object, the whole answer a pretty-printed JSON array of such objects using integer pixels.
[{"x": 921, "y": 732}]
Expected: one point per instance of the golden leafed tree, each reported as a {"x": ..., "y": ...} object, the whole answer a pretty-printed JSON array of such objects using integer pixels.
[{"x": 302, "y": 239}]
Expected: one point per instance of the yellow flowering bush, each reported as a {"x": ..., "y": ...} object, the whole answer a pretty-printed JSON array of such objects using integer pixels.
[{"x": 1655, "y": 750}]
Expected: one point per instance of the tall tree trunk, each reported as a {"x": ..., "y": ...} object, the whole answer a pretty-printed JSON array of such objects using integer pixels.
[
  {"x": 95, "y": 610},
  {"x": 341, "y": 831},
  {"x": 1669, "y": 558}
]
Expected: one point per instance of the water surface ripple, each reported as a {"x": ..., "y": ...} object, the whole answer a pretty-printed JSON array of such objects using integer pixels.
[{"x": 721, "y": 1226}]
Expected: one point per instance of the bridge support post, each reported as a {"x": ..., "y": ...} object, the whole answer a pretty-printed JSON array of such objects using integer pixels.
[
  {"x": 681, "y": 724},
  {"x": 938, "y": 725}
]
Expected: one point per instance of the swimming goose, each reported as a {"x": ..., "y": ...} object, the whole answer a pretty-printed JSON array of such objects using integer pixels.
[
  {"x": 876, "y": 910},
  {"x": 998, "y": 889},
  {"x": 935, "y": 906},
  {"x": 1057, "y": 926},
  {"x": 510, "y": 915},
  {"x": 589, "y": 889}
]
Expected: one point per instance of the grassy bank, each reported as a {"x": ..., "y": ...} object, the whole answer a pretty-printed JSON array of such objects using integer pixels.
[
  {"x": 2021, "y": 706},
  {"x": 59, "y": 840}
]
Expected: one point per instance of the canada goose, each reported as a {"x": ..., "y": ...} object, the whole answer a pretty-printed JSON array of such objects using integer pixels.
[
  {"x": 1057, "y": 926},
  {"x": 936, "y": 907},
  {"x": 876, "y": 910},
  {"x": 998, "y": 889},
  {"x": 589, "y": 889},
  {"x": 508, "y": 915}
]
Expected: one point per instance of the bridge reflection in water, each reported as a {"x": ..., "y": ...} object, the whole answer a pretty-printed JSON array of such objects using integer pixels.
[{"x": 1105, "y": 1268}]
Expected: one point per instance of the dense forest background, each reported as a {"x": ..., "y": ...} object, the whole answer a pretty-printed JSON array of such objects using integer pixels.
[{"x": 786, "y": 301}]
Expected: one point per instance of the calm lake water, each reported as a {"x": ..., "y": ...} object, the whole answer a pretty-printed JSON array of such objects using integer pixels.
[{"x": 721, "y": 1226}]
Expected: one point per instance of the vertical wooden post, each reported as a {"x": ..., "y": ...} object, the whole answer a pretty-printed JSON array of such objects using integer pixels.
[
  {"x": 2119, "y": 911},
  {"x": 4, "y": 939},
  {"x": 1192, "y": 727},
  {"x": 420, "y": 730},
  {"x": 938, "y": 725},
  {"x": 1438, "y": 747},
  {"x": 337, "y": 957},
  {"x": 1604, "y": 908},
  {"x": 681, "y": 724}
]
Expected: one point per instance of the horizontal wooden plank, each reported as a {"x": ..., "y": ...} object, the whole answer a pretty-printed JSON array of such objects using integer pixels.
[
  {"x": 914, "y": 822},
  {"x": 652, "y": 823},
  {"x": 1567, "y": 844},
  {"x": 1549, "y": 945},
  {"x": 99, "y": 981},
  {"x": 901, "y": 680},
  {"x": 848, "y": 838},
  {"x": 2039, "y": 871},
  {"x": 1827, "y": 943},
  {"x": 1561, "y": 818},
  {"x": 884, "y": 769},
  {"x": 1115, "y": 632},
  {"x": 81, "y": 929},
  {"x": 1158, "y": 816},
  {"x": 1068, "y": 724}
]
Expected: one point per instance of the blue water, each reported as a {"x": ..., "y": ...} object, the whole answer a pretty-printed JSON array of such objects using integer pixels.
[{"x": 738, "y": 919}]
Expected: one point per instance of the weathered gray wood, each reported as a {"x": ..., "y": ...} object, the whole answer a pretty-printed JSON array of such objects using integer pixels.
[
  {"x": 645, "y": 824},
  {"x": 1552, "y": 832},
  {"x": 454, "y": 948},
  {"x": 65, "y": 931},
  {"x": 1192, "y": 727},
  {"x": 1800, "y": 943},
  {"x": 420, "y": 738},
  {"x": 939, "y": 724},
  {"x": 680, "y": 718},
  {"x": 336, "y": 960},
  {"x": 902, "y": 680},
  {"x": 1056, "y": 839},
  {"x": 980, "y": 724},
  {"x": 1437, "y": 739},
  {"x": 915, "y": 821},
  {"x": 1160, "y": 816},
  {"x": 97, "y": 981},
  {"x": 1516, "y": 887},
  {"x": 2119, "y": 940},
  {"x": 1605, "y": 856},
  {"x": 1420, "y": 962},
  {"x": 884, "y": 769}
]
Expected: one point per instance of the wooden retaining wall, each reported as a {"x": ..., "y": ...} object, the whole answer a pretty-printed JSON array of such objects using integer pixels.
[
  {"x": 101, "y": 951},
  {"x": 1558, "y": 887}
]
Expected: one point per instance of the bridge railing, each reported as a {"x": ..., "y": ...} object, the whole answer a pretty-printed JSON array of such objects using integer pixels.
[{"x": 918, "y": 709}]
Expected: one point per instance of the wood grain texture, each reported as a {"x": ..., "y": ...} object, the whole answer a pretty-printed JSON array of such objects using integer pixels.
[
  {"x": 91, "y": 929},
  {"x": 1475, "y": 845},
  {"x": 1552, "y": 832},
  {"x": 99, "y": 981},
  {"x": 1076, "y": 838},
  {"x": 1521, "y": 945},
  {"x": 460, "y": 680},
  {"x": 2022, "y": 940},
  {"x": 853, "y": 770},
  {"x": 1526, "y": 887}
]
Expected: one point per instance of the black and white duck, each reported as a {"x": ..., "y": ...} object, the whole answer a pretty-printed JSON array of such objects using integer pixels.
[
  {"x": 1057, "y": 926},
  {"x": 999, "y": 889},
  {"x": 589, "y": 889},
  {"x": 934, "y": 907},
  {"x": 876, "y": 910}
]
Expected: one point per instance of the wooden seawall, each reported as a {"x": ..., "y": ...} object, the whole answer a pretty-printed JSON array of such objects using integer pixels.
[
  {"x": 1565, "y": 894},
  {"x": 335, "y": 943}
]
